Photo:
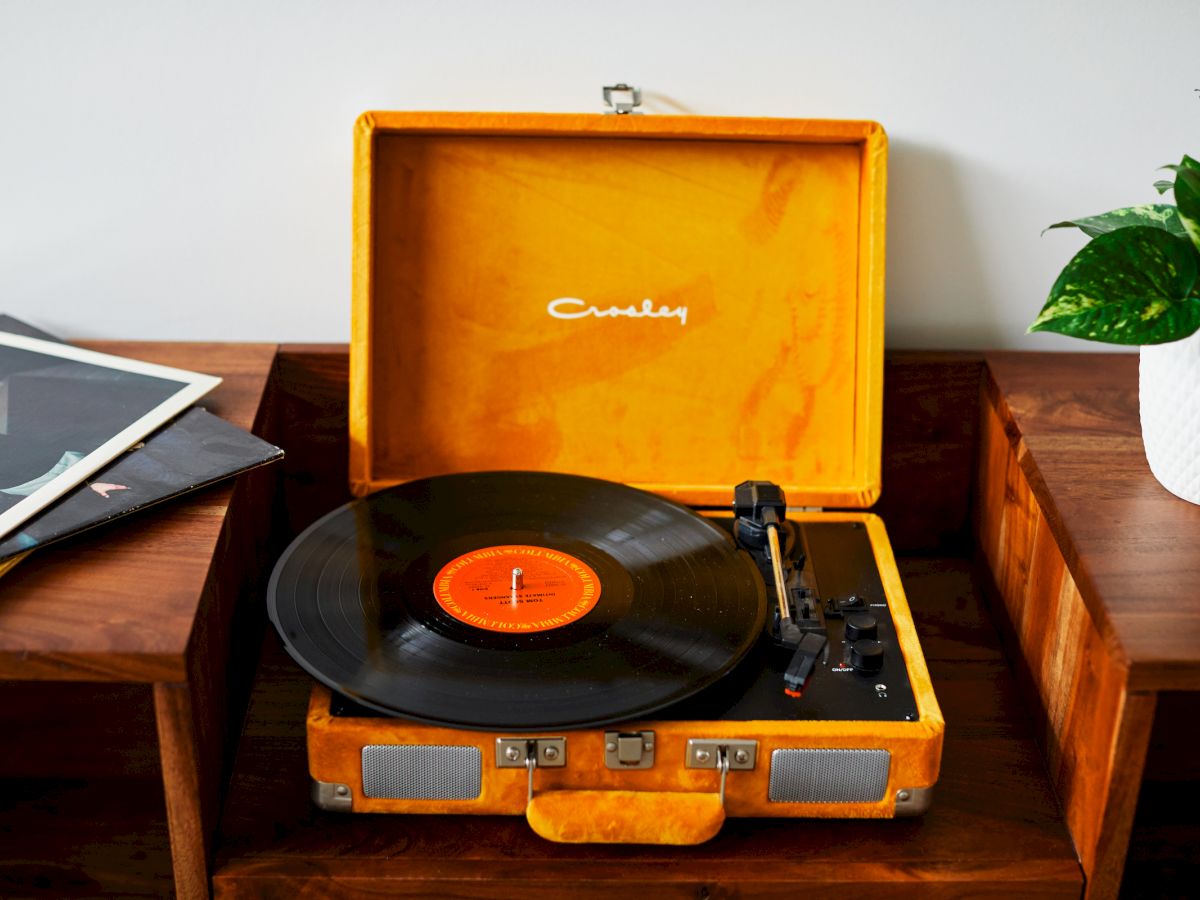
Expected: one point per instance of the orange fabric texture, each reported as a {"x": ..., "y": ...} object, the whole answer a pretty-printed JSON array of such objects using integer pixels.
[
  {"x": 335, "y": 755},
  {"x": 677, "y": 303},
  {"x": 626, "y": 817}
]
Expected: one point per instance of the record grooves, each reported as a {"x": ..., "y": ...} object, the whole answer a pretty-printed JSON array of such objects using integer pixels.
[{"x": 404, "y": 601}]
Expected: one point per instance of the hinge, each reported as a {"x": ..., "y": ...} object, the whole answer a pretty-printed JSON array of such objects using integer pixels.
[{"x": 622, "y": 99}]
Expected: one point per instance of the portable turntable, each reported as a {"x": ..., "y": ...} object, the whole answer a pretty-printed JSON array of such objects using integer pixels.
[{"x": 575, "y": 338}]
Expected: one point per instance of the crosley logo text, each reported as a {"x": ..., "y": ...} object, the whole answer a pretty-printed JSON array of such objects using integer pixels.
[{"x": 572, "y": 308}]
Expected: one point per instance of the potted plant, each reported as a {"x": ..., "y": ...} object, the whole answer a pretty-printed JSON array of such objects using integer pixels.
[{"x": 1138, "y": 282}]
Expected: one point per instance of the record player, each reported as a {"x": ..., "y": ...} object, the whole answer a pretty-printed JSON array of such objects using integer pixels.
[{"x": 615, "y": 420}]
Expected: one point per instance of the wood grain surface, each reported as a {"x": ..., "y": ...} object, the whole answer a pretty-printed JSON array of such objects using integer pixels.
[
  {"x": 184, "y": 788},
  {"x": 1094, "y": 564},
  {"x": 198, "y": 720},
  {"x": 994, "y": 829},
  {"x": 311, "y": 397},
  {"x": 930, "y": 421},
  {"x": 119, "y": 604},
  {"x": 1130, "y": 546},
  {"x": 1093, "y": 730}
]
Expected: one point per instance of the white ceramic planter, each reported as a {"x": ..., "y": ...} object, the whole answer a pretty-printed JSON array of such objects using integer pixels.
[{"x": 1169, "y": 398}]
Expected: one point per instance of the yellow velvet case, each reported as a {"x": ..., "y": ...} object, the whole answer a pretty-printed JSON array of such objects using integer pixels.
[
  {"x": 768, "y": 232},
  {"x": 677, "y": 303}
]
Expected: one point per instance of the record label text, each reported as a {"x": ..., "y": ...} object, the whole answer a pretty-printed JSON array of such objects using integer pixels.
[{"x": 517, "y": 588}]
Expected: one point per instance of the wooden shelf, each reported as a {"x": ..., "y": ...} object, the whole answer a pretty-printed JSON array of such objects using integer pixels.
[{"x": 994, "y": 829}]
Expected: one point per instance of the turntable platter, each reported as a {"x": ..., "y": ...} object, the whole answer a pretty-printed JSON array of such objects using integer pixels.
[{"x": 516, "y": 600}]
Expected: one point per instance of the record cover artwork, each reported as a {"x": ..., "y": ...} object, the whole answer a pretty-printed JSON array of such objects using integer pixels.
[
  {"x": 66, "y": 412},
  {"x": 195, "y": 450}
]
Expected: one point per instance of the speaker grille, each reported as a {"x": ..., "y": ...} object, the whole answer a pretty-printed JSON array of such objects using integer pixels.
[
  {"x": 828, "y": 776},
  {"x": 421, "y": 772}
]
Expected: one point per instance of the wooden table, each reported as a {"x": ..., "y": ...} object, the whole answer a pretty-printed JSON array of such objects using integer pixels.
[
  {"x": 1089, "y": 563},
  {"x": 156, "y": 602},
  {"x": 1095, "y": 569}
]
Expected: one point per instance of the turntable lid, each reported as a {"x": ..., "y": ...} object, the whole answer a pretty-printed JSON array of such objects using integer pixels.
[{"x": 675, "y": 302}]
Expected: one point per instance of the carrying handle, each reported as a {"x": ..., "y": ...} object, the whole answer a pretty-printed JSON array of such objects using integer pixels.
[
  {"x": 723, "y": 766},
  {"x": 530, "y": 765},
  {"x": 628, "y": 817}
]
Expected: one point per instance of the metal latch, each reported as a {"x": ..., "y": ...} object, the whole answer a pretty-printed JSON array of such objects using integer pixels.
[
  {"x": 514, "y": 752},
  {"x": 530, "y": 754},
  {"x": 704, "y": 753},
  {"x": 721, "y": 754},
  {"x": 629, "y": 749},
  {"x": 623, "y": 99}
]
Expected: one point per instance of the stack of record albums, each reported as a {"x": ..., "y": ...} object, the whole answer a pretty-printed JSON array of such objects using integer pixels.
[{"x": 86, "y": 438}]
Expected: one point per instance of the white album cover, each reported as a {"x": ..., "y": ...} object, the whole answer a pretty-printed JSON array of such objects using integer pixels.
[{"x": 66, "y": 412}]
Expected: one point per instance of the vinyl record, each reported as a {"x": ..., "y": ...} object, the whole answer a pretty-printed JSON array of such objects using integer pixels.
[{"x": 408, "y": 601}]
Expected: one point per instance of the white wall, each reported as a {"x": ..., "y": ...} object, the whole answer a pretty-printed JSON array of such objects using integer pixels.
[{"x": 182, "y": 171}]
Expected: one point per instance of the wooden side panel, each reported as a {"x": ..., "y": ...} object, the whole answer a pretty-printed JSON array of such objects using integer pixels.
[
  {"x": 930, "y": 421},
  {"x": 1129, "y": 758},
  {"x": 1092, "y": 731},
  {"x": 312, "y": 409}
]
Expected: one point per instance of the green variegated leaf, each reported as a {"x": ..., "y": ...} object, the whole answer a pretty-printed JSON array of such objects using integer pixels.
[
  {"x": 1186, "y": 163},
  {"x": 1163, "y": 186},
  {"x": 1156, "y": 215},
  {"x": 1129, "y": 286},
  {"x": 1187, "y": 196}
]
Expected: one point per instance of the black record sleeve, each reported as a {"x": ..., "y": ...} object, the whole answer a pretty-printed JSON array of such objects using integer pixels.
[{"x": 195, "y": 450}]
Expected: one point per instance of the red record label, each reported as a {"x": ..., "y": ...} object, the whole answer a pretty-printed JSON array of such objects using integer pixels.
[{"x": 552, "y": 589}]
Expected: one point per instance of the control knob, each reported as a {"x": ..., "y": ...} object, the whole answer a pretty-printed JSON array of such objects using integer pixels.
[
  {"x": 861, "y": 625},
  {"x": 866, "y": 655}
]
